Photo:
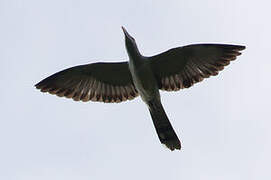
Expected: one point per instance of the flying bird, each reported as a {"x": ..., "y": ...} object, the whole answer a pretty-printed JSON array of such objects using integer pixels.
[{"x": 172, "y": 70}]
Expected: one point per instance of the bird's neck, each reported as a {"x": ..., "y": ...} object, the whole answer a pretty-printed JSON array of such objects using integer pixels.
[{"x": 135, "y": 56}]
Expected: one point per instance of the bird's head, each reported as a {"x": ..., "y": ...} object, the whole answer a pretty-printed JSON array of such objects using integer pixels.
[{"x": 129, "y": 40}]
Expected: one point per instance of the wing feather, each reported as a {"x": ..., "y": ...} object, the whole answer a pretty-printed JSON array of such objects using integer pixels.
[
  {"x": 104, "y": 82},
  {"x": 182, "y": 67}
]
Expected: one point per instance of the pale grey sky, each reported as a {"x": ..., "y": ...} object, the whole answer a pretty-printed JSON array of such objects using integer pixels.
[{"x": 223, "y": 122}]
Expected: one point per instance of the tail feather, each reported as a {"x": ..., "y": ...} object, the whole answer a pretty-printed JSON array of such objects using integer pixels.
[{"x": 163, "y": 127}]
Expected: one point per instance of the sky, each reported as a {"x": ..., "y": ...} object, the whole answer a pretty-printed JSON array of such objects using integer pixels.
[{"x": 223, "y": 122}]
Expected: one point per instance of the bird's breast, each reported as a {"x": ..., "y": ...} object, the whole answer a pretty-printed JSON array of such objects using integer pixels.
[{"x": 144, "y": 81}]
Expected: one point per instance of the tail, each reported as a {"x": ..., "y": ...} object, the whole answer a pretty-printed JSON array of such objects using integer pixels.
[{"x": 162, "y": 125}]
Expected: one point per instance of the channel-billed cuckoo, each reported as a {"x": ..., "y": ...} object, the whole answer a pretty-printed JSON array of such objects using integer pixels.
[{"x": 172, "y": 70}]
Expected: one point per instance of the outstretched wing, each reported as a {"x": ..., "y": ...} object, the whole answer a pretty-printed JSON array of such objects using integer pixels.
[
  {"x": 105, "y": 82},
  {"x": 184, "y": 66}
]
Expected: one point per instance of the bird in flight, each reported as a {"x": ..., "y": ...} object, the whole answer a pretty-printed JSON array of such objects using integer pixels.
[{"x": 172, "y": 70}]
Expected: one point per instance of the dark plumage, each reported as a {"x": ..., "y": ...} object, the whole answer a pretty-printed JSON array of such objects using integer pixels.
[{"x": 172, "y": 70}]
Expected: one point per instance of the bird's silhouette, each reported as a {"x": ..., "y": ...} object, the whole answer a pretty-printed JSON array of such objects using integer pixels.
[{"x": 172, "y": 70}]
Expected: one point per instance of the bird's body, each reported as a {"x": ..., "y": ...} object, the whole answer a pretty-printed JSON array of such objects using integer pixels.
[
  {"x": 146, "y": 84},
  {"x": 115, "y": 82},
  {"x": 144, "y": 79}
]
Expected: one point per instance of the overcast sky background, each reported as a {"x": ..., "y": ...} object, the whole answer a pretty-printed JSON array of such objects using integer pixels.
[{"x": 223, "y": 122}]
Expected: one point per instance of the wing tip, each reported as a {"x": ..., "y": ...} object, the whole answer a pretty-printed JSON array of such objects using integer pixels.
[
  {"x": 240, "y": 47},
  {"x": 232, "y": 47},
  {"x": 37, "y": 86}
]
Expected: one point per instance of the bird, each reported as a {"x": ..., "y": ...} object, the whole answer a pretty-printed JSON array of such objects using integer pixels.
[{"x": 114, "y": 82}]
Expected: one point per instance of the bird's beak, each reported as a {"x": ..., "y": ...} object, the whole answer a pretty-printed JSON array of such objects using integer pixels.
[{"x": 125, "y": 32}]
